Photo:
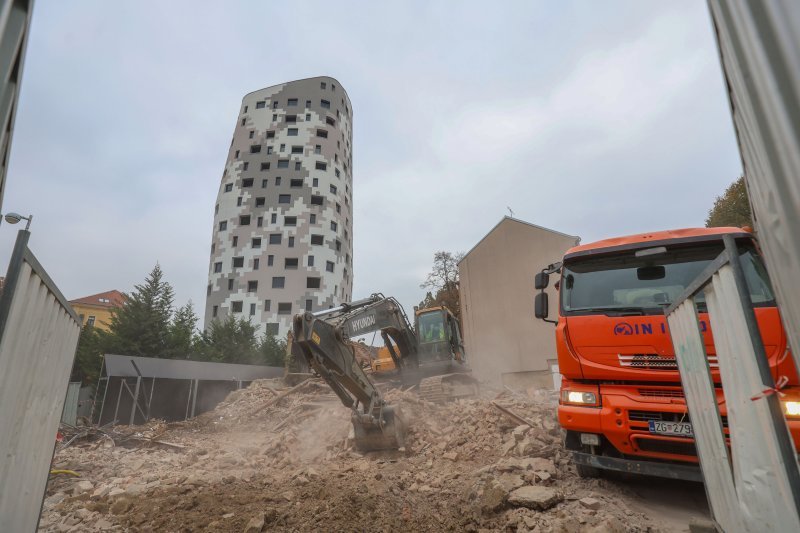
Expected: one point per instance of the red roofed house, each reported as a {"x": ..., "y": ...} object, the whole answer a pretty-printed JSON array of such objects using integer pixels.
[{"x": 95, "y": 310}]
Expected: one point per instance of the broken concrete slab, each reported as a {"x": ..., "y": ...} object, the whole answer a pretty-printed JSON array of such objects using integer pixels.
[{"x": 535, "y": 497}]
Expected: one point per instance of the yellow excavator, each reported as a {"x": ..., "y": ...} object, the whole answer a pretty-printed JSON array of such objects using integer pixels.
[{"x": 430, "y": 355}]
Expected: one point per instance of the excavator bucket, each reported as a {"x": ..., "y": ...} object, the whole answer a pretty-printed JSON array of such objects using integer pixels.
[{"x": 370, "y": 437}]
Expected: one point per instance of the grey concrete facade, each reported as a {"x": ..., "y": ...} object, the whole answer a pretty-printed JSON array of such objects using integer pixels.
[
  {"x": 505, "y": 343},
  {"x": 282, "y": 240}
]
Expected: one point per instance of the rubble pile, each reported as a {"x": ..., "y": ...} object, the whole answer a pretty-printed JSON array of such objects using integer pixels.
[{"x": 271, "y": 457}]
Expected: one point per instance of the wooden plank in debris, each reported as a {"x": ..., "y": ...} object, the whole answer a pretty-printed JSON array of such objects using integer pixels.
[
  {"x": 282, "y": 395},
  {"x": 511, "y": 414}
]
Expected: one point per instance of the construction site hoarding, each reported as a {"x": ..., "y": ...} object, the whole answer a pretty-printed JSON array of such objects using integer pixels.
[
  {"x": 759, "y": 46},
  {"x": 38, "y": 336},
  {"x": 505, "y": 343}
]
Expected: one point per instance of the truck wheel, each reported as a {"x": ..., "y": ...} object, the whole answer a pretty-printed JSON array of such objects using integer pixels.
[{"x": 587, "y": 472}]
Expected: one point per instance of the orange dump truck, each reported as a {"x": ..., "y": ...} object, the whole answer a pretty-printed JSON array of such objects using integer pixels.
[{"x": 621, "y": 401}]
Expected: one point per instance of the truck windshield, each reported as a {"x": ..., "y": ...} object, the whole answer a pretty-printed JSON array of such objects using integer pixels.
[
  {"x": 647, "y": 285},
  {"x": 431, "y": 327}
]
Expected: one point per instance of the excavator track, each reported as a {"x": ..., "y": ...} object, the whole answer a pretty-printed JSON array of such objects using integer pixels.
[{"x": 448, "y": 387}]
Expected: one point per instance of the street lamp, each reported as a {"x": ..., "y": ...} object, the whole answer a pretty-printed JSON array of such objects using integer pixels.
[{"x": 14, "y": 218}]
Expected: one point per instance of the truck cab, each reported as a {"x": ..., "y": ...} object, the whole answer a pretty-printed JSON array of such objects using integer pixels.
[{"x": 621, "y": 400}]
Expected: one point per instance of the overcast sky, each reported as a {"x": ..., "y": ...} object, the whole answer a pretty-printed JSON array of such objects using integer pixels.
[{"x": 594, "y": 119}]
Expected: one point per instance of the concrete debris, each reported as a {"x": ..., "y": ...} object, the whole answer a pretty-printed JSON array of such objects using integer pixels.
[
  {"x": 492, "y": 463},
  {"x": 535, "y": 497}
]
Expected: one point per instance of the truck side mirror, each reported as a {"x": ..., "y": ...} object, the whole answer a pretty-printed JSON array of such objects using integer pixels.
[
  {"x": 541, "y": 280},
  {"x": 541, "y": 306}
]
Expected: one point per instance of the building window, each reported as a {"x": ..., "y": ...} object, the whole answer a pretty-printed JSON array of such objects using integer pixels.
[
  {"x": 330, "y": 121},
  {"x": 329, "y": 266},
  {"x": 297, "y": 150},
  {"x": 270, "y": 135},
  {"x": 252, "y": 133},
  {"x": 308, "y": 117},
  {"x": 278, "y": 180},
  {"x": 236, "y": 307},
  {"x": 273, "y": 218},
  {"x": 256, "y": 148},
  {"x": 238, "y": 262},
  {"x": 338, "y": 245},
  {"x": 313, "y": 218},
  {"x": 214, "y": 311},
  {"x": 283, "y": 148},
  {"x": 270, "y": 260},
  {"x": 243, "y": 121},
  {"x": 264, "y": 166},
  {"x": 255, "y": 263},
  {"x": 316, "y": 199},
  {"x": 317, "y": 149},
  {"x": 283, "y": 163},
  {"x": 217, "y": 267},
  {"x": 213, "y": 247},
  {"x": 289, "y": 221},
  {"x": 239, "y": 201},
  {"x": 274, "y": 117},
  {"x": 308, "y": 103},
  {"x": 252, "y": 286},
  {"x": 311, "y": 260},
  {"x": 315, "y": 182},
  {"x": 269, "y": 150},
  {"x": 256, "y": 242},
  {"x": 244, "y": 220},
  {"x": 333, "y": 189},
  {"x": 278, "y": 282},
  {"x": 290, "y": 263},
  {"x": 325, "y": 104},
  {"x": 290, "y": 119},
  {"x": 292, "y": 102},
  {"x": 317, "y": 239},
  {"x": 291, "y": 132},
  {"x": 284, "y": 198},
  {"x": 261, "y": 105},
  {"x": 236, "y": 155},
  {"x": 338, "y": 208},
  {"x": 235, "y": 241},
  {"x": 291, "y": 242},
  {"x": 223, "y": 225},
  {"x": 295, "y": 183},
  {"x": 260, "y": 221},
  {"x": 228, "y": 187},
  {"x": 252, "y": 309},
  {"x": 284, "y": 308},
  {"x": 336, "y": 171},
  {"x": 264, "y": 183},
  {"x": 334, "y": 226},
  {"x": 309, "y": 304},
  {"x": 322, "y": 85},
  {"x": 267, "y": 305},
  {"x": 321, "y": 166},
  {"x": 322, "y": 133},
  {"x": 275, "y": 104},
  {"x": 247, "y": 182},
  {"x": 260, "y": 201},
  {"x": 313, "y": 283},
  {"x": 245, "y": 165},
  {"x": 275, "y": 238}
]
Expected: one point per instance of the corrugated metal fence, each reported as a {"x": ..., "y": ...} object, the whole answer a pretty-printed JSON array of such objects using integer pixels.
[{"x": 38, "y": 336}]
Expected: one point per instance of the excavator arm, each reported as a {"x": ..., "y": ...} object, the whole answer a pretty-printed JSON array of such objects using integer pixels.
[{"x": 323, "y": 340}]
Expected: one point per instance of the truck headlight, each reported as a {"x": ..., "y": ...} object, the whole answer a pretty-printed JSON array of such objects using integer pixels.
[
  {"x": 791, "y": 408},
  {"x": 578, "y": 397}
]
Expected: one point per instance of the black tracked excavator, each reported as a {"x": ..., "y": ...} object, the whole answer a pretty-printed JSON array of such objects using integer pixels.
[{"x": 323, "y": 340}]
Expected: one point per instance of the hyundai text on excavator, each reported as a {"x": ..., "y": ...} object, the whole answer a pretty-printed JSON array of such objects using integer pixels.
[
  {"x": 324, "y": 340},
  {"x": 621, "y": 400}
]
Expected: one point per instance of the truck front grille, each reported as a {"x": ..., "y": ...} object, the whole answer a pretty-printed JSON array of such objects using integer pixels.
[
  {"x": 646, "y": 416},
  {"x": 667, "y": 446},
  {"x": 651, "y": 361},
  {"x": 661, "y": 393}
]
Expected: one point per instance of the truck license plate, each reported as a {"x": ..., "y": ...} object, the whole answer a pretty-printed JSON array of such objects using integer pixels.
[{"x": 679, "y": 429}]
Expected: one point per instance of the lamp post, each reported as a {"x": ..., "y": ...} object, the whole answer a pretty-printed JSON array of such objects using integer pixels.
[{"x": 14, "y": 218}]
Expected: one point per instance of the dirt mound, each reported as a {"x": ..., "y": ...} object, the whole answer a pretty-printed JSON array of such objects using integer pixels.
[{"x": 279, "y": 458}]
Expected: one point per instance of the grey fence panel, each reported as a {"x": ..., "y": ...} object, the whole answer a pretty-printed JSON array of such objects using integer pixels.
[
  {"x": 38, "y": 336},
  {"x": 70, "y": 414},
  {"x": 698, "y": 387},
  {"x": 759, "y": 45},
  {"x": 763, "y": 473}
]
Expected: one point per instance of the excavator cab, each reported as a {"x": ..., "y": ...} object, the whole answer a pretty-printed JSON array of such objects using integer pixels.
[{"x": 439, "y": 335}]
